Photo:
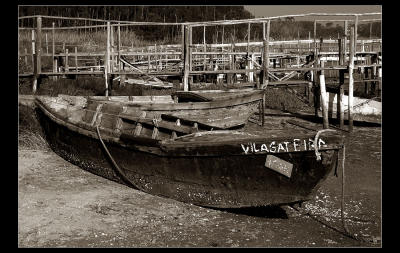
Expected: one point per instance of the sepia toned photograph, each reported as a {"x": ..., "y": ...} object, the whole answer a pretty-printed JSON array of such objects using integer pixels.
[{"x": 173, "y": 126}]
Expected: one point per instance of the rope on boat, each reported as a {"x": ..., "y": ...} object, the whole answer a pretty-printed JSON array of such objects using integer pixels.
[
  {"x": 122, "y": 174},
  {"x": 343, "y": 185},
  {"x": 318, "y": 157},
  {"x": 318, "y": 154}
]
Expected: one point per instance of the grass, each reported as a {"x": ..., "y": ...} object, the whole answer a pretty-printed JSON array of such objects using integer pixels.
[{"x": 30, "y": 134}]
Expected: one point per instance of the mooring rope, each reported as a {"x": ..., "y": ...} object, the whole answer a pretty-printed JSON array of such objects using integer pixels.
[
  {"x": 122, "y": 174},
  {"x": 342, "y": 209},
  {"x": 343, "y": 185},
  {"x": 342, "y": 204}
]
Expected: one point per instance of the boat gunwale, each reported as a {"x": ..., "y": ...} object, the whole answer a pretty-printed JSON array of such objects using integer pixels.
[
  {"x": 187, "y": 106},
  {"x": 167, "y": 147}
]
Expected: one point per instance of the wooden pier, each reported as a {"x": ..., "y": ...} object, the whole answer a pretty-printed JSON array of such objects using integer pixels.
[{"x": 263, "y": 64}]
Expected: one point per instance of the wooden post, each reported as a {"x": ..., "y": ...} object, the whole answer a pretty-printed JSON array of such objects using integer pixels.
[
  {"x": 47, "y": 45},
  {"x": 26, "y": 57},
  {"x": 53, "y": 51},
  {"x": 340, "y": 93},
  {"x": 324, "y": 99},
  {"x": 186, "y": 59},
  {"x": 374, "y": 74},
  {"x": 155, "y": 56},
  {"x": 204, "y": 47},
  {"x": 351, "y": 79},
  {"x": 266, "y": 30},
  {"x": 76, "y": 59},
  {"x": 248, "y": 53},
  {"x": 251, "y": 66},
  {"x": 355, "y": 34},
  {"x": 345, "y": 41},
  {"x": 34, "y": 62},
  {"x": 107, "y": 60},
  {"x": 315, "y": 38},
  {"x": 314, "y": 73},
  {"x": 148, "y": 61},
  {"x": 119, "y": 48},
  {"x": 38, "y": 52},
  {"x": 183, "y": 41},
  {"x": 66, "y": 60},
  {"x": 190, "y": 49},
  {"x": 112, "y": 56}
]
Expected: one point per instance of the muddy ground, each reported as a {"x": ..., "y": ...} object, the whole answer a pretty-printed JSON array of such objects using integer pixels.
[{"x": 61, "y": 205}]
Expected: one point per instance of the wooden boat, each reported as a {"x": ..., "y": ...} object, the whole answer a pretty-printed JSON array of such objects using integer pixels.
[
  {"x": 222, "y": 168},
  {"x": 209, "y": 109}
]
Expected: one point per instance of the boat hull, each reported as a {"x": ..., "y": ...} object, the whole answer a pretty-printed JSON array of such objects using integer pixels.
[{"x": 223, "y": 180}]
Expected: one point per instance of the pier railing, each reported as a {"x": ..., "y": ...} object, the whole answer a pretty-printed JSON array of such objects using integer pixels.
[{"x": 258, "y": 62}]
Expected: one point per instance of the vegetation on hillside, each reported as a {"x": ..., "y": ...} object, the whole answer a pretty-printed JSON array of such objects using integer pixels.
[{"x": 282, "y": 29}]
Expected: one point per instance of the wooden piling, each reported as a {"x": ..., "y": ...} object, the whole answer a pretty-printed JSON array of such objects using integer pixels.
[
  {"x": 204, "y": 48},
  {"x": 266, "y": 31},
  {"x": 26, "y": 57},
  {"x": 47, "y": 45},
  {"x": 314, "y": 73},
  {"x": 340, "y": 93},
  {"x": 183, "y": 41},
  {"x": 351, "y": 79},
  {"x": 248, "y": 39},
  {"x": 112, "y": 56},
  {"x": 345, "y": 41},
  {"x": 186, "y": 59},
  {"x": 34, "y": 62},
  {"x": 38, "y": 52},
  {"x": 119, "y": 47},
  {"x": 190, "y": 49},
  {"x": 355, "y": 33},
  {"x": 66, "y": 60},
  {"x": 76, "y": 59},
  {"x": 53, "y": 50},
  {"x": 324, "y": 98},
  {"x": 107, "y": 60}
]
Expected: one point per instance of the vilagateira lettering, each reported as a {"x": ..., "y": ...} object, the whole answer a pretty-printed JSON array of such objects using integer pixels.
[{"x": 281, "y": 147}]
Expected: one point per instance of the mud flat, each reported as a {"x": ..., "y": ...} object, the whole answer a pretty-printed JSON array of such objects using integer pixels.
[{"x": 61, "y": 205}]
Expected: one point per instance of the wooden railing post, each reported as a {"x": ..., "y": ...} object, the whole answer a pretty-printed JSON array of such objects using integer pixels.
[
  {"x": 340, "y": 93},
  {"x": 76, "y": 59},
  {"x": 351, "y": 79},
  {"x": 204, "y": 48},
  {"x": 38, "y": 52},
  {"x": 53, "y": 51},
  {"x": 66, "y": 60},
  {"x": 324, "y": 99},
  {"x": 119, "y": 48},
  {"x": 345, "y": 41},
  {"x": 266, "y": 29},
  {"x": 186, "y": 59},
  {"x": 107, "y": 60}
]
